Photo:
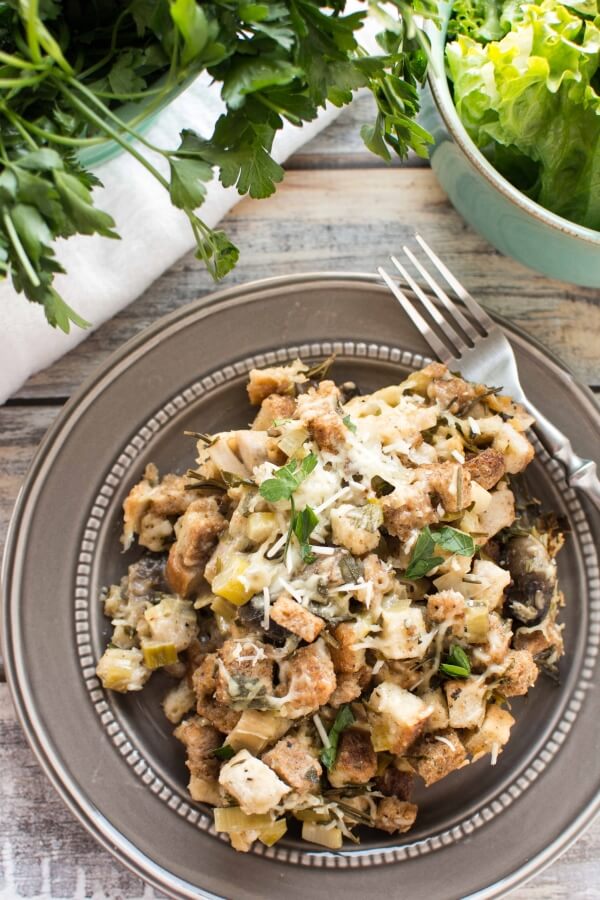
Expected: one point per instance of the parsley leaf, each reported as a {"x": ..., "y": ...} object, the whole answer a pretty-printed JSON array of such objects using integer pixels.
[
  {"x": 287, "y": 479},
  {"x": 344, "y": 718},
  {"x": 458, "y": 664},
  {"x": 381, "y": 487},
  {"x": 224, "y": 752},
  {"x": 423, "y": 560},
  {"x": 349, "y": 424},
  {"x": 303, "y": 525}
]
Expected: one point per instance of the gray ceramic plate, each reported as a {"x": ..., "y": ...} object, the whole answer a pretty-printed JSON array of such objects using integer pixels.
[{"x": 480, "y": 831}]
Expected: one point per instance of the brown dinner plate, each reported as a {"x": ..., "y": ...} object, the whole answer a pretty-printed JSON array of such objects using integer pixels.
[{"x": 482, "y": 830}]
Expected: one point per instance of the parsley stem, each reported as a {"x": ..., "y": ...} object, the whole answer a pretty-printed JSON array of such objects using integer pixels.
[
  {"x": 31, "y": 30},
  {"x": 17, "y": 61},
  {"x": 59, "y": 138},
  {"x": 20, "y": 128},
  {"x": 19, "y": 249}
]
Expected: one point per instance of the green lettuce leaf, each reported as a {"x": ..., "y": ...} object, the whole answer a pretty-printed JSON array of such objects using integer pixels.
[{"x": 529, "y": 101}]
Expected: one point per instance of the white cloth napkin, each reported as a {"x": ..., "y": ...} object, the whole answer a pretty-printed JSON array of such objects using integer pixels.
[{"x": 105, "y": 275}]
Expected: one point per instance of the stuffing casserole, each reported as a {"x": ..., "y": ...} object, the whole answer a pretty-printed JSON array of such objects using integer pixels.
[{"x": 347, "y": 595}]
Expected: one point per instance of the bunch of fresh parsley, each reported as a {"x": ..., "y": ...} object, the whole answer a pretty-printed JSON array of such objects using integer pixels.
[{"x": 67, "y": 66}]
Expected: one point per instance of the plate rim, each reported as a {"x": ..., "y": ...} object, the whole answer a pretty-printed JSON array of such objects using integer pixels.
[{"x": 92, "y": 819}]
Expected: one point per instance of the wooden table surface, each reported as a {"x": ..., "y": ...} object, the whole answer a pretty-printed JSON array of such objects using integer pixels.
[{"x": 338, "y": 209}]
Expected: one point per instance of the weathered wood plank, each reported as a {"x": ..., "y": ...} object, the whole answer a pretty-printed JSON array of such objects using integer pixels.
[
  {"x": 351, "y": 220},
  {"x": 45, "y": 854}
]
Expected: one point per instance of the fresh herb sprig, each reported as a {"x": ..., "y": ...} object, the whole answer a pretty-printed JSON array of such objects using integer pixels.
[
  {"x": 303, "y": 525},
  {"x": 281, "y": 486},
  {"x": 423, "y": 558},
  {"x": 66, "y": 69},
  {"x": 343, "y": 720},
  {"x": 458, "y": 664}
]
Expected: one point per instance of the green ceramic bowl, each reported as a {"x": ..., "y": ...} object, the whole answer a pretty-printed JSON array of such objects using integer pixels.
[{"x": 491, "y": 205}]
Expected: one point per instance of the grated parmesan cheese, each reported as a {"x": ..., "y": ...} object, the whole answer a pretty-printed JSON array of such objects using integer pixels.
[{"x": 321, "y": 729}]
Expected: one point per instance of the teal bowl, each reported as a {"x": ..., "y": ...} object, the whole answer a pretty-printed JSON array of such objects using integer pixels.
[{"x": 508, "y": 219}]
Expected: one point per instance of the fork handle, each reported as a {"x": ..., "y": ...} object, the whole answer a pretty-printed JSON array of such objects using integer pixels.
[{"x": 581, "y": 473}]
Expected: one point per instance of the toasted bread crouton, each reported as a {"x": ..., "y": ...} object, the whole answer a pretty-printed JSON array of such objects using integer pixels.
[
  {"x": 200, "y": 741},
  {"x": 289, "y": 614},
  {"x": 328, "y": 432},
  {"x": 466, "y": 702},
  {"x": 197, "y": 533},
  {"x": 453, "y": 393},
  {"x": 397, "y": 717},
  {"x": 356, "y": 527},
  {"x": 493, "y": 734},
  {"x": 346, "y": 658},
  {"x": 307, "y": 680},
  {"x": 540, "y": 640},
  {"x": 275, "y": 406},
  {"x": 275, "y": 380},
  {"x": 380, "y": 575},
  {"x": 179, "y": 701},
  {"x": 253, "y": 784},
  {"x": 350, "y": 685},
  {"x": 318, "y": 401},
  {"x": 450, "y": 482},
  {"x": 151, "y": 505},
  {"x": 244, "y": 675},
  {"x": 436, "y": 755},
  {"x": 520, "y": 674},
  {"x": 394, "y": 815},
  {"x": 487, "y": 468},
  {"x": 487, "y": 583},
  {"x": 356, "y": 760},
  {"x": 447, "y": 606},
  {"x": 204, "y": 682},
  {"x": 395, "y": 782},
  {"x": 499, "y": 636},
  {"x": 438, "y": 719},
  {"x": 405, "y": 673},
  {"x": 404, "y": 634},
  {"x": 411, "y": 509},
  {"x": 294, "y": 762}
]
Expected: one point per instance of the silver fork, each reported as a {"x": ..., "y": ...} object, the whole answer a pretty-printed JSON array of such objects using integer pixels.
[{"x": 477, "y": 348}]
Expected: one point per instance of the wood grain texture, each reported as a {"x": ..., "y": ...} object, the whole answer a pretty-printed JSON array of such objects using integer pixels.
[
  {"x": 46, "y": 855},
  {"x": 350, "y": 220}
]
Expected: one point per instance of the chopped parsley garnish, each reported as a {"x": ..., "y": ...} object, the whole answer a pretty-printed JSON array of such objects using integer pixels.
[
  {"x": 350, "y": 425},
  {"x": 381, "y": 487},
  {"x": 287, "y": 479},
  {"x": 303, "y": 525},
  {"x": 423, "y": 560},
  {"x": 344, "y": 718},
  {"x": 457, "y": 664},
  {"x": 224, "y": 752}
]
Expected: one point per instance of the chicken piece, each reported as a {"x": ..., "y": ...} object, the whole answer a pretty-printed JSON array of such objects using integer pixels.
[
  {"x": 397, "y": 717},
  {"x": 199, "y": 741},
  {"x": 520, "y": 675},
  {"x": 197, "y": 533},
  {"x": 493, "y": 734},
  {"x": 356, "y": 760},
  {"x": 466, "y": 702},
  {"x": 273, "y": 407},
  {"x": 307, "y": 680},
  {"x": 150, "y": 506},
  {"x": 395, "y": 815},
  {"x": 346, "y": 658},
  {"x": 487, "y": 468},
  {"x": 514, "y": 447},
  {"x": 204, "y": 682},
  {"x": 356, "y": 527},
  {"x": 436, "y": 755},
  {"x": 350, "y": 685},
  {"x": 293, "y": 761},
  {"x": 172, "y": 621},
  {"x": 499, "y": 514},
  {"x": 447, "y": 606},
  {"x": 395, "y": 782},
  {"x": 438, "y": 719},
  {"x": 275, "y": 380},
  {"x": 244, "y": 677},
  {"x": 290, "y": 615},
  {"x": 253, "y": 784}
]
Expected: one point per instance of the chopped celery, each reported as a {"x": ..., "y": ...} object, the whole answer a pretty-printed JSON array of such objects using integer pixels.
[
  {"x": 223, "y": 608},
  {"x": 321, "y": 834},
  {"x": 257, "y": 728},
  {"x": 312, "y": 816},
  {"x": 271, "y": 835},
  {"x": 477, "y": 622},
  {"x": 292, "y": 440},
  {"x": 260, "y": 526},
  {"x": 157, "y": 655},
  {"x": 229, "y": 584},
  {"x": 231, "y": 818}
]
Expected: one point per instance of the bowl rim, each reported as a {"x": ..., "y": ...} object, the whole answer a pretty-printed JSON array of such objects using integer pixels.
[{"x": 440, "y": 91}]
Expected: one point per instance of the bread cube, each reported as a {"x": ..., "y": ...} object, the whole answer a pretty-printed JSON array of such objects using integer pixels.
[{"x": 253, "y": 784}]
